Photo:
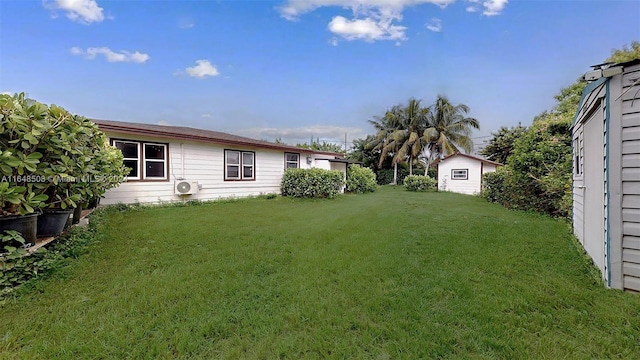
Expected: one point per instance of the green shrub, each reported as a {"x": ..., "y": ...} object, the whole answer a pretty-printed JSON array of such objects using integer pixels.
[
  {"x": 17, "y": 267},
  {"x": 385, "y": 176},
  {"x": 420, "y": 183},
  {"x": 312, "y": 183},
  {"x": 540, "y": 168},
  {"x": 360, "y": 180},
  {"x": 493, "y": 187}
]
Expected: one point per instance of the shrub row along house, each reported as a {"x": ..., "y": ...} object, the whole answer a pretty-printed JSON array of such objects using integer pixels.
[
  {"x": 171, "y": 163},
  {"x": 606, "y": 173}
]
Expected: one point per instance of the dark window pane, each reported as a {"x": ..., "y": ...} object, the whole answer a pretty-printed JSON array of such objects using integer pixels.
[
  {"x": 133, "y": 165},
  {"x": 155, "y": 169},
  {"x": 233, "y": 157},
  {"x": 129, "y": 150},
  {"x": 247, "y": 172},
  {"x": 291, "y": 165},
  {"x": 292, "y": 157},
  {"x": 233, "y": 171},
  {"x": 154, "y": 152},
  {"x": 247, "y": 158}
]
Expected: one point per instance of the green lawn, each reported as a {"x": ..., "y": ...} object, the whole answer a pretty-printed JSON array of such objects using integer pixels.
[{"x": 392, "y": 274}]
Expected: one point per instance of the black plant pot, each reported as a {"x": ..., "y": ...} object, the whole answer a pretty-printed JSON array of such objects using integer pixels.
[
  {"x": 26, "y": 225},
  {"x": 93, "y": 203},
  {"x": 51, "y": 222},
  {"x": 77, "y": 214}
]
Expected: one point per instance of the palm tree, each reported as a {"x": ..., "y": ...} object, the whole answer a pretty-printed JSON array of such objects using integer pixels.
[
  {"x": 449, "y": 128},
  {"x": 382, "y": 141},
  {"x": 414, "y": 132}
]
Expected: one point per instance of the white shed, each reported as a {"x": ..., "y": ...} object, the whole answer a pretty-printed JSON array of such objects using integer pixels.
[
  {"x": 606, "y": 173},
  {"x": 462, "y": 173}
]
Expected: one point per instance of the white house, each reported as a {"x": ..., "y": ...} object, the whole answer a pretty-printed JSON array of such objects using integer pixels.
[
  {"x": 170, "y": 163},
  {"x": 462, "y": 173},
  {"x": 606, "y": 172}
]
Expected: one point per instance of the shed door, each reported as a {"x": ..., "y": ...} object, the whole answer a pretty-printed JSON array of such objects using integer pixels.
[{"x": 594, "y": 189}]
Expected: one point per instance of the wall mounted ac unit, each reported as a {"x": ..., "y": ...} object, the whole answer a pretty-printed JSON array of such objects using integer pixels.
[{"x": 183, "y": 187}]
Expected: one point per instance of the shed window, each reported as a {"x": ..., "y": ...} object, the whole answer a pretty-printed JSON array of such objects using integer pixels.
[
  {"x": 460, "y": 174},
  {"x": 239, "y": 165},
  {"x": 577, "y": 156},
  {"x": 291, "y": 161}
]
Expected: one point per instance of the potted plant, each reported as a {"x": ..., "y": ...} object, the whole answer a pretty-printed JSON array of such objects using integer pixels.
[
  {"x": 53, "y": 156},
  {"x": 22, "y": 125}
]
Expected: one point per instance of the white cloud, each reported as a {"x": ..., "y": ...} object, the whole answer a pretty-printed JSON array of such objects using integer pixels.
[
  {"x": 494, "y": 7},
  {"x": 334, "y": 41},
  {"x": 110, "y": 55},
  {"x": 82, "y": 11},
  {"x": 368, "y": 29},
  {"x": 202, "y": 69},
  {"x": 292, "y": 9},
  {"x": 206, "y": 116},
  {"x": 374, "y": 20},
  {"x": 434, "y": 25}
]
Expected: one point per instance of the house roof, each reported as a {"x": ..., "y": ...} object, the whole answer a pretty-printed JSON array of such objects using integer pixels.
[
  {"x": 193, "y": 134},
  {"x": 470, "y": 157}
]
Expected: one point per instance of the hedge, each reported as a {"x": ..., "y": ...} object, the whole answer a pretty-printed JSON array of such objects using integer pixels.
[
  {"x": 312, "y": 183},
  {"x": 420, "y": 183},
  {"x": 360, "y": 180}
]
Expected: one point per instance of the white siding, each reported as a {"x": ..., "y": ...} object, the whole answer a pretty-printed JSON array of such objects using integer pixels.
[
  {"x": 204, "y": 163},
  {"x": 630, "y": 124},
  {"x": 470, "y": 186}
]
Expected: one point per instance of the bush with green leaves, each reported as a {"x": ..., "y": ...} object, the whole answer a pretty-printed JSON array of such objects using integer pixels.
[
  {"x": 420, "y": 183},
  {"x": 538, "y": 176},
  {"x": 360, "y": 180},
  {"x": 51, "y": 158},
  {"x": 493, "y": 186},
  {"x": 312, "y": 183}
]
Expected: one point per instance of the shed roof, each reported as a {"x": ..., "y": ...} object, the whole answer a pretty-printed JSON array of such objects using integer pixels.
[
  {"x": 193, "y": 134},
  {"x": 470, "y": 157}
]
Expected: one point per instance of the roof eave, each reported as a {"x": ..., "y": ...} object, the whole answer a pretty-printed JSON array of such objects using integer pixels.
[{"x": 174, "y": 135}]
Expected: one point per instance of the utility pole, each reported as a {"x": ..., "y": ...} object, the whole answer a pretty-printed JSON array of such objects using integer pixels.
[{"x": 345, "y": 142}]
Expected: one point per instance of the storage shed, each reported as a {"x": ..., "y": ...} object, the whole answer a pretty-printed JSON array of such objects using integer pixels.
[
  {"x": 606, "y": 172},
  {"x": 462, "y": 173}
]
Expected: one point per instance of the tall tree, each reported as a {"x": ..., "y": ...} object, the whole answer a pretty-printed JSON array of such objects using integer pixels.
[
  {"x": 383, "y": 143},
  {"x": 501, "y": 144},
  {"x": 414, "y": 135},
  {"x": 316, "y": 144},
  {"x": 626, "y": 53},
  {"x": 449, "y": 128}
]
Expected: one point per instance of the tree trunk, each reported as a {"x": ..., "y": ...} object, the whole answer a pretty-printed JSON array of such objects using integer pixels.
[
  {"x": 410, "y": 166},
  {"x": 395, "y": 173}
]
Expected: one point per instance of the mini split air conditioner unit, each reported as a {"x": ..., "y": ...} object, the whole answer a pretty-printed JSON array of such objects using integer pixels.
[{"x": 183, "y": 187}]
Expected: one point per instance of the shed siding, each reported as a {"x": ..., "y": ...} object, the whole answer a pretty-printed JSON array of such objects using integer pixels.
[
  {"x": 630, "y": 177},
  {"x": 204, "y": 163}
]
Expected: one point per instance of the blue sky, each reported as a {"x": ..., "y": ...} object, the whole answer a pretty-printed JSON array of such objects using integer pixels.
[{"x": 296, "y": 69}]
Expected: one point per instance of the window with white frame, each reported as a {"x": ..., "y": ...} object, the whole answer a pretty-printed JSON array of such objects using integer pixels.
[
  {"x": 460, "y": 174},
  {"x": 146, "y": 161},
  {"x": 291, "y": 161},
  {"x": 239, "y": 165}
]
